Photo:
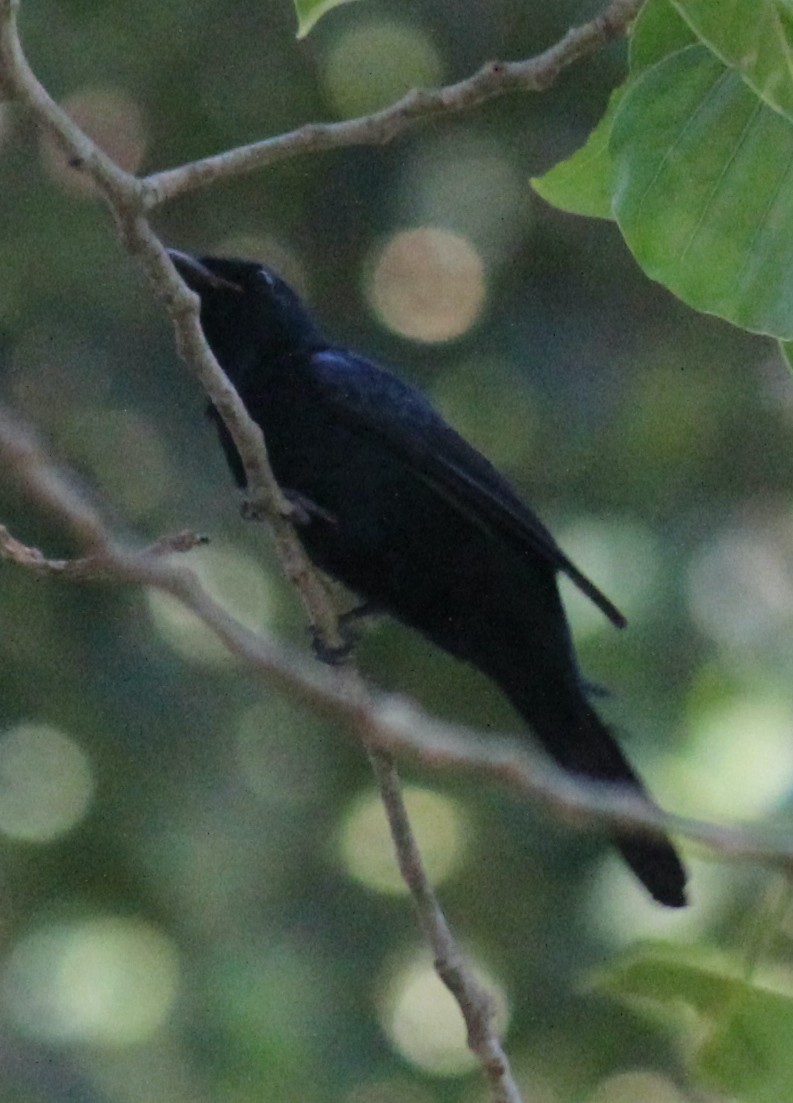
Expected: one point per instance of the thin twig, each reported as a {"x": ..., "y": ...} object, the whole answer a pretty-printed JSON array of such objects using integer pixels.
[
  {"x": 18, "y": 82},
  {"x": 106, "y": 560},
  {"x": 383, "y": 722},
  {"x": 124, "y": 194},
  {"x": 496, "y": 78},
  {"x": 474, "y": 1001},
  {"x": 342, "y": 695}
]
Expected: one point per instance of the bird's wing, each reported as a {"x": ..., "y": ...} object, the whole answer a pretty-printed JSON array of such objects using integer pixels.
[{"x": 374, "y": 402}]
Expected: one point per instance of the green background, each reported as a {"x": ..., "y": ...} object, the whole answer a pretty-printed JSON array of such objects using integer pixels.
[{"x": 654, "y": 441}]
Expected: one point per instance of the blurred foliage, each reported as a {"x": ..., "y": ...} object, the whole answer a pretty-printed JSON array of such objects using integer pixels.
[
  {"x": 194, "y": 904},
  {"x": 735, "y": 1031},
  {"x": 309, "y": 11},
  {"x": 693, "y": 157}
]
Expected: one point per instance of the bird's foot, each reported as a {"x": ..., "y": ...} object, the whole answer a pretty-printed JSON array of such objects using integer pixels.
[
  {"x": 301, "y": 510},
  {"x": 253, "y": 511},
  {"x": 348, "y": 632},
  {"x": 333, "y": 654},
  {"x": 364, "y": 611},
  {"x": 304, "y": 510}
]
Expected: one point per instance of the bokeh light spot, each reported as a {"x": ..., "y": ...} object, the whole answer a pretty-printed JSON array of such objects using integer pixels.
[
  {"x": 738, "y": 759},
  {"x": 103, "y": 981},
  {"x": 236, "y": 581},
  {"x": 465, "y": 182},
  {"x": 374, "y": 63},
  {"x": 58, "y": 377},
  {"x": 427, "y": 284},
  {"x": 622, "y": 557},
  {"x": 115, "y": 122},
  {"x": 367, "y": 851},
  {"x": 741, "y": 585},
  {"x": 46, "y": 783},
  {"x": 622, "y": 911},
  {"x": 424, "y": 1023}
]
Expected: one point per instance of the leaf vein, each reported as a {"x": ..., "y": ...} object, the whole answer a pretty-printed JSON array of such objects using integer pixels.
[
  {"x": 681, "y": 135},
  {"x": 711, "y": 197}
]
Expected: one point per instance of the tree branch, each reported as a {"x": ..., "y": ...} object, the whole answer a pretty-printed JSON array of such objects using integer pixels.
[
  {"x": 125, "y": 196},
  {"x": 107, "y": 560},
  {"x": 496, "y": 78},
  {"x": 385, "y": 725},
  {"x": 383, "y": 722},
  {"x": 18, "y": 82},
  {"x": 475, "y": 1002}
]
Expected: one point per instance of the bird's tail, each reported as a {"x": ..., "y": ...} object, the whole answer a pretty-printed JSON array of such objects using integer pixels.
[{"x": 582, "y": 745}]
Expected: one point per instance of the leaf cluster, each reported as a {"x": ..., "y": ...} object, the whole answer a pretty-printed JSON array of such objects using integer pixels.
[{"x": 694, "y": 158}]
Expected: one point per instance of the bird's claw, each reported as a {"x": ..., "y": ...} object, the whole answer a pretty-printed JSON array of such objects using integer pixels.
[
  {"x": 301, "y": 510},
  {"x": 358, "y": 613},
  {"x": 349, "y": 634},
  {"x": 304, "y": 511},
  {"x": 253, "y": 511},
  {"x": 333, "y": 655}
]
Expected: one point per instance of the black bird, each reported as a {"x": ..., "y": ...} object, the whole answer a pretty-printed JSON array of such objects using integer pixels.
[{"x": 404, "y": 512}]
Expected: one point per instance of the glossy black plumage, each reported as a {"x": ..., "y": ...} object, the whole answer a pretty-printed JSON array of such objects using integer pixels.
[{"x": 415, "y": 520}]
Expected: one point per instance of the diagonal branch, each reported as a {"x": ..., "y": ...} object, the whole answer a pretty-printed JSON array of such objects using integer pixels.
[
  {"x": 338, "y": 695},
  {"x": 107, "y": 560},
  {"x": 475, "y": 1002},
  {"x": 18, "y": 82},
  {"x": 496, "y": 78},
  {"x": 124, "y": 195},
  {"x": 385, "y": 723}
]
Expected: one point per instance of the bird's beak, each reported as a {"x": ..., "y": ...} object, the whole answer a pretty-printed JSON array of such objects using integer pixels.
[{"x": 196, "y": 275}]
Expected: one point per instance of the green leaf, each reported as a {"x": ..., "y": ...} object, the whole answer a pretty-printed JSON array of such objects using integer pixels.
[
  {"x": 584, "y": 182},
  {"x": 672, "y": 981},
  {"x": 786, "y": 348},
  {"x": 657, "y": 32},
  {"x": 310, "y": 12},
  {"x": 753, "y": 36},
  {"x": 737, "y": 1034},
  {"x": 704, "y": 190},
  {"x": 749, "y": 1056}
]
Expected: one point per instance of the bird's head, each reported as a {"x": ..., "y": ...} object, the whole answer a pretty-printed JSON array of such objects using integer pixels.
[{"x": 244, "y": 303}]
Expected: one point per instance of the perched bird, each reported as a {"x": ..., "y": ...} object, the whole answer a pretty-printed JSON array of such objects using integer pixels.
[{"x": 404, "y": 512}]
